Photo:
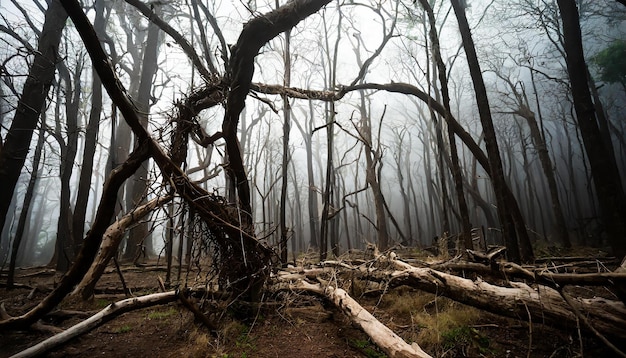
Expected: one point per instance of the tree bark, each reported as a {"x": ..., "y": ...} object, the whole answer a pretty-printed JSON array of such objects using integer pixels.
[
  {"x": 108, "y": 313},
  {"x": 606, "y": 177},
  {"x": 65, "y": 251},
  {"x": 372, "y": 163},
  {"x": 382, "y": 336},
  {"x": 286, "y": 155},
  {"x": 16, "y": 145},
  {"x": 519, "y": 300},
  {"x": 139, "y": 235},
  {"x": 90, "y": 244},
  {"x": 455, "y": 168},
  {"x": 91, "y": 137},
  {"x": 513, "y": 228},
  {"x": 24, "y": 214},
  {"x": 530, "y": 302},
  {"x": 110, "y": 242},
  {"x": 329, "y": 116}
]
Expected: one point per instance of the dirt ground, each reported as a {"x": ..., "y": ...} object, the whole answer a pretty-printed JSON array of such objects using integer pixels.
[{"x": 286, "y": 326}]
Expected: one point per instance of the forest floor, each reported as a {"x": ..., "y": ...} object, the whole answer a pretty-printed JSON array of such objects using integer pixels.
[{"x": 290, "y": 325}]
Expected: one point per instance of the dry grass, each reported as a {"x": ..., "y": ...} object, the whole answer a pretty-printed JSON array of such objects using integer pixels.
[
  {"x": 232, "y": 336},
  {"x": 434, "y": 322}
]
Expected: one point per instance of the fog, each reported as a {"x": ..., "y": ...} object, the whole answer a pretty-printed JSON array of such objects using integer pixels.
[{"x": 517, "y": 41}]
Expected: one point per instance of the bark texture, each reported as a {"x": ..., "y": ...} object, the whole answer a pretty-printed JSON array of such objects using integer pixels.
[
  {"x": 41, "y": 74},
  {"x": 513, "y": 227},
  {"x": 110, "y": 242},
  {"x": 382, "y": 336},
  {"x": 606, "y": 177},
  {"x": 108, "y": 313}
]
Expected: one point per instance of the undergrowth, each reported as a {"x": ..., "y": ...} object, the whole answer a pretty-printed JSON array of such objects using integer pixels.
[{"x": 437, "y": 324}]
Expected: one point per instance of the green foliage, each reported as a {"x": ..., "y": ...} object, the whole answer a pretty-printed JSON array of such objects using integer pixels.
[
  {"x": 611, "y": 62},
  {"x": 124, "y": 329},
  {"x": 161, "y": 314},
  {"x": 101, "y": 303},
  {"x": 462, "y": 339},
  {"x": 239, "y": 334},
  {"x": 367, "y": 348}
]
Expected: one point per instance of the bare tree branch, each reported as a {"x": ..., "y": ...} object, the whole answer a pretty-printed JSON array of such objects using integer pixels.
[{"x": 180, "y": 40}]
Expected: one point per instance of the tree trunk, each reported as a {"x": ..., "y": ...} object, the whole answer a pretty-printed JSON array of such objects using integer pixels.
[
  {"x": 312, "y": 193},
  {"x": 548, "y": 171},
  {"x": 15, "y": 148},
  {"x": 514, "y": 231},
  {"x": 606, "y": 178},
  {"x": 91, "y": 137},
  {"x": 65, "y": 251},
  {"x": 139, "y": 235},
  {"x": 108, "y": 313},
  {"x": 381, "y": 335},
  {"x": 24, "y": 214},
  {"x": 286, "y": 156},
  {"x": 110, "y": 242},
  {"x": 372, "y": 162},
  {"x": 406, "y": 202},
  {"x": 455, "y": 168},
  {"x": 329, "y": 183}
]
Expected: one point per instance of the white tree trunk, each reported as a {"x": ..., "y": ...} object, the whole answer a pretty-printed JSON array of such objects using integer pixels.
[
  {"x": 384, "y": 337},
  {"x": 111, "y": 311},
  {"x": 110, "y": 241}
]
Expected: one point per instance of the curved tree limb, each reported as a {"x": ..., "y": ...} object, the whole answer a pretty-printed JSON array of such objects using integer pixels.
[
  {"x": 108, "y": 313},
  {"x": 395, "y": 87},
  {"x": 110, "y": 241},
  {"x": 91, "y": 243},
  {"x": 236, "y": 233},
  {"x": 254, "y": 35},
  {"x": 180, "y": 40}
]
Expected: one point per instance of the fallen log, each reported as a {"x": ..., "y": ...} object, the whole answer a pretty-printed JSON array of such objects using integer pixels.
[
  {"x": 542, "y": 275},
  {"x": 519, "y": 300},
  {"x": 110, "y": 241},
  {"x": 111, "y": 311},
  {"x": 530, "y": 302},
  {"x": 382, "y": 336}
]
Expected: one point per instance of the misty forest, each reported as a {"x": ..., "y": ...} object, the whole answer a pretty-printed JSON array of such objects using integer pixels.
[{"x": 317, "y": 178}]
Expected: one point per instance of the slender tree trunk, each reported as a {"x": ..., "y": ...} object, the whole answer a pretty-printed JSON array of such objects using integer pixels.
[
  {"x": 330, "y": 145},
  {"x": 298, "y": 232},
  {"x": 455, "y": 168},
  {"x": 548, "y": 171},
  {"x": 372, "y": 161},
  {"x": 24, "y": 214},
  {"x": 139, "y": 239},
  {"x": 285, "y": 161},
  {"x": 91, "y": 136},
  {"x": 169, "y": 241},
  {"x": 313, "y": 191},
  {"x": 65, "y": 250},
  {"x": 403, "y": 191},
  {"x": 537, "y": 136},
  {"x": 513, "y": 228},
  {"x": 431, "y": 227}
]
